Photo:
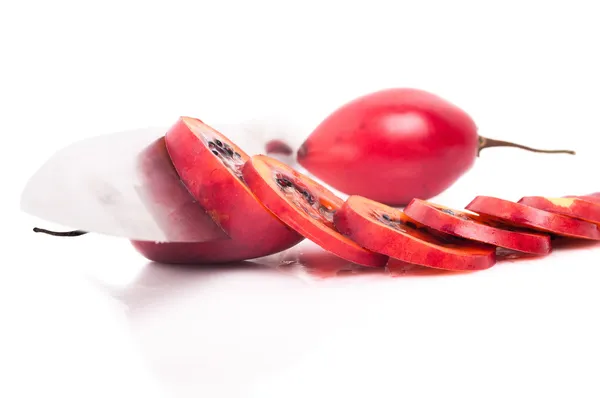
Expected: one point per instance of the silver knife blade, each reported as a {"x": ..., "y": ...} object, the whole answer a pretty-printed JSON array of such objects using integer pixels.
[{"x": 121, "y": 184}]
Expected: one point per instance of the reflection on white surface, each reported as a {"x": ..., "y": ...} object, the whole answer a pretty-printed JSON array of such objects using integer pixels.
[{"x": 285, "y": 324}]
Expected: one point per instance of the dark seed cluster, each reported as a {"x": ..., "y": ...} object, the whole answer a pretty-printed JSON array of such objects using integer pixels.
[
  {"x": 304, "y": 195},
  {"x": 228, "y": 156},
  {"x": 394, "y": 223},
  {"x": 448, "y": 211}
]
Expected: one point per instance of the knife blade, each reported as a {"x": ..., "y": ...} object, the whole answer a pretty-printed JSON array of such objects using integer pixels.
[{"x": 121, "y": 184}]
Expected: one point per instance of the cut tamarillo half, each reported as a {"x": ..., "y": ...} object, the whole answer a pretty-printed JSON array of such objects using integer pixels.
[
  {"x": 210, "y": 166},
  {"x": 520, "y": 215},
  {"x": 573, "y": 207},
  {"x": 388, "y": 230},
  {"x": 306, "y": 206},
  {"x": 468, "y": 225}
]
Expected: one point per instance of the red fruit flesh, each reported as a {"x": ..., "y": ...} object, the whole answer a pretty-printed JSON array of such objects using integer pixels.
[
  {"x": 389, "y": 231},
  {"x": 582, "y": 209},
  {"x": 210, "y": 166},
  {"x": 395, "y": 145},
  {"x": 306, "y": 206},
  {"x": 176, "y": 212},
  {"x": 471, "y": 226},
  {"x": 519, "y": 215}
]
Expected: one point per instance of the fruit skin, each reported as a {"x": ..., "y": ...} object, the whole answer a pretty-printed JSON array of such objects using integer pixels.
[
  {"x": 225, "y": 197},
  {"x": 352, "y": 221},
  {"x": 258, "y": 174},
  {"x": 278, "y": 147},
  {"x": 166, "y": 198},
  {"x": 392, "y": 146},
  {"x": 434, "y": 217},
  {"x": 580, "y": 208},
  {"x": 521, "y": 215},
  {"x": 221, "y": 251},
  {"x": 592, "y": 197}
]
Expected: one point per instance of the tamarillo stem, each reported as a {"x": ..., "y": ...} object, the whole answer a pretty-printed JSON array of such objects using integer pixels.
[
  {"x": 489, "y": 143},
  {"x": 62, "y": 234}
]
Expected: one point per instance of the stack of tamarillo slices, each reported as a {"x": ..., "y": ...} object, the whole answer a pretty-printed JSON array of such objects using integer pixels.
[{"x": 262, "y": 206}]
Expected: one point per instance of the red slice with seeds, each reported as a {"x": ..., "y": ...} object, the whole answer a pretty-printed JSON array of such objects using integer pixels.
[
  {"x": 210, "y": 166},
  {"x": 388, "y": 230},
  {"x": 181, "y": 216},
  {"x": 520, "y": 215},
  {"x": 471, "y": 226},
  {"x": 580, "y": 208},
  {"x": 306, "y": 206}
]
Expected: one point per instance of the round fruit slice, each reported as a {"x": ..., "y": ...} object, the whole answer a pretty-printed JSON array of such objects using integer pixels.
[
  {"x": 469, "y": 225},
  {"x": 210, "y": 166},
  {"x": 306, "y": 206},
  {"x": 520, "y": 215},
  {"x": 389, "y": 231},
  {"x": 580, "y": 208}
]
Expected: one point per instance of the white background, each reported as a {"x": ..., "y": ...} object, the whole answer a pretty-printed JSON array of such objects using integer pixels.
[{"x": 90, "y": 318}]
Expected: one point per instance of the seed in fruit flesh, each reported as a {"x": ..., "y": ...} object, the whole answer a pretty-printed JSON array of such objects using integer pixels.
[
  {"x": 471, "y": 226},
  {"x": 210, "y": 166},
  {"x": 394, "y": 145},
  {"x": 580, "y": 208},
  {"x": 389, "y": 231},
  {"x": 306, "y": 206},
  {"x": 523, "y": 216}
]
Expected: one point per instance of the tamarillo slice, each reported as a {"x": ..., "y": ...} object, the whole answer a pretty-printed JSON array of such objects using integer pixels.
[
  {"x": 210, "y": 166},
  {"x": 469, "y": 225},
  {"x": 306, "y": 206},
  {"x": 520, "y": 215},
  {"x": 388, "y": 230},
  {"x": 575, "y": 207}
]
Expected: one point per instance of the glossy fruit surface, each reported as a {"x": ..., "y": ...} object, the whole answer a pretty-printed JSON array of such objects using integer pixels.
[
  {"x": 580, "y": 208},
  {"x": 520, "y": 215},
  {"x": 388, "y": 230},
  {"x": 210, "y": 166},
  {"x": 304, "y": 205},
  {"x": 394, "y": 145},
  {"x": 469, "y": 225}
]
